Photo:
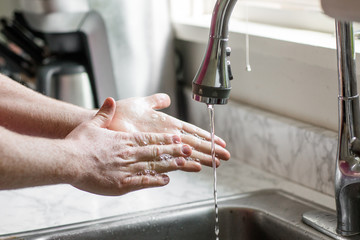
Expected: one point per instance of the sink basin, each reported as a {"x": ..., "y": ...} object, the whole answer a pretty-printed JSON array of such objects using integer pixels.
[{"x": 262, "y": 215}]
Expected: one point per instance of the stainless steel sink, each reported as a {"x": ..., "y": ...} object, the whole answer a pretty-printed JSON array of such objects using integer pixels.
[{"x": 262, "y": 215}]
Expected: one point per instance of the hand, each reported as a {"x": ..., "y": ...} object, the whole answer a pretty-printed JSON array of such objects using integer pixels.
[
  {"x": 140, "y": 115},
  {"x": 114, "y": 163}
]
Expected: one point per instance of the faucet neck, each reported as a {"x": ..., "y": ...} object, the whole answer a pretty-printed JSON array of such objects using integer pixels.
[
  {"x": 346, "y": 59},
  {"x": 347, "y": 180},
  {"x": 219, "y": 27}
]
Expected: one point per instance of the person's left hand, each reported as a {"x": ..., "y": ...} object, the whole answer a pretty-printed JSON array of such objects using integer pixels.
[{"x": 140, "y": 115}]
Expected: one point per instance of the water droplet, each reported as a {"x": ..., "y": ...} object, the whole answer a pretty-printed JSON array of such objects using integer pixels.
[
  {"x": 154, "y": 116},
  {"x": 163, "y": 119},
  {"x": 197, "y": 136},
  {"x": 192, "y": 159},
  {"x": 147, "y": 172},
  {"x": 217, "y": 230},
  {"x": 165, "y": 157}
]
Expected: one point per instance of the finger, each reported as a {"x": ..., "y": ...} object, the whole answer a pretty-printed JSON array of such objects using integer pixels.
[
  {"x": 153, "y": 152},
  {"x": 205, "y": 159},
  {"x": 146, "y": 180},
  {"x": 167, "y": 164},
  {"x": 158, "y": 101},
  {"x": 143, "y": 139},
  {"x": 205, "y": 147},
  {"x": 105, "y": 114},
  {"x": 201, "y": 133}
]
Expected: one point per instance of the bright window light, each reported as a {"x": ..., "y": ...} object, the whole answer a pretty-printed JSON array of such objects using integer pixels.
[{"x": 298, "y": 14}]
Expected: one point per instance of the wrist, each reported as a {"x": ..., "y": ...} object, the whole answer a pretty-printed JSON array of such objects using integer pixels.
[{"x": 67, "y": 169}]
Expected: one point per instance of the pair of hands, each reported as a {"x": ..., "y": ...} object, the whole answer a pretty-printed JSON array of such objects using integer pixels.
[{"x": 128, "y": 145}]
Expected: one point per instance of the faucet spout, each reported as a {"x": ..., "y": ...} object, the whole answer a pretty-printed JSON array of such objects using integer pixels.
[
  {"x": 211, "y": 84},
  {"x": 347, "y": 178}
]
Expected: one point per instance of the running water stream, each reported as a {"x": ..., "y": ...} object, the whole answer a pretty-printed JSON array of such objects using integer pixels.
[{"x": 212, "y": 128}]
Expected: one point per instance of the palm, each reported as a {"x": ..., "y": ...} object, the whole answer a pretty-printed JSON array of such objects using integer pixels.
[{"x": 140, "y": 115}]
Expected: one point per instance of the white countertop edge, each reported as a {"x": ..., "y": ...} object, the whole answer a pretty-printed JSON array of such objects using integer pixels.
[{"x": 42, "y": 207}]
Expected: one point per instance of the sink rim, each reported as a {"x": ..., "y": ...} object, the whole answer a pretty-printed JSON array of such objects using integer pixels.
[{"x": 243, "y": 200}]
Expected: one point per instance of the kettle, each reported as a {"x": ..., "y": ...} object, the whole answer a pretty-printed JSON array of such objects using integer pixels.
[{"x": 67, "y": 81}]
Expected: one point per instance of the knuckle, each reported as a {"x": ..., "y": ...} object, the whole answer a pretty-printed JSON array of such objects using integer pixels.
[
  {"x": 156, "y": 151},
  {"x": 151, "y": 138},
  {"x": 142, "y": 139},
  {"x": 168, "y": 138},
  {"x": 102, "y": 114},
  {"x": 145, "y": 180},
  {"x": 126, "y": 153},
  {"x": 125, "y": 181}
]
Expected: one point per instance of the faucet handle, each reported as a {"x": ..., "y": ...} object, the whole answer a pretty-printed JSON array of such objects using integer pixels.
[
  {"x": 228, "y": 51},
  {"x": 231, "y": 76},
  {"x": 355, "y": 145}
]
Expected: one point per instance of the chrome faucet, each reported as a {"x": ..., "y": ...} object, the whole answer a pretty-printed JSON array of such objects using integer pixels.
[
  {"x": 347, "y": 173},
  {"x": 347, "y": 178},
  {"x": 211, "y": 84}
]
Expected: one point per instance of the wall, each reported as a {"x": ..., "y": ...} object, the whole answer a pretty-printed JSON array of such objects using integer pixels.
[
  {"x": 282, "y": 117},
  {"x": 6, "y": 7},
  {"x": 294, "y": 72}
]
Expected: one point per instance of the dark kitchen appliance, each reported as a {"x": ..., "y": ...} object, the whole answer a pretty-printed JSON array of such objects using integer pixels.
[{"x": 77, "y": 48}]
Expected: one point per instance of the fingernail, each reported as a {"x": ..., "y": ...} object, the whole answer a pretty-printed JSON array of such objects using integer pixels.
[
  {"x": 108, "y": 102},
  {"x": 166, "y": 178},
  {"x": 180, "y": 161},
  {"x": 217, "y": 163},
  {"x": 176, "y": 139},
  {"x": 186, "y": 149}
]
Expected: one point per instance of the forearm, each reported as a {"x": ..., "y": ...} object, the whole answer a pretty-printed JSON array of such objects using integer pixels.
[
  {"x": 27, "y": 161},
  {"x": 25, "y": 111}
]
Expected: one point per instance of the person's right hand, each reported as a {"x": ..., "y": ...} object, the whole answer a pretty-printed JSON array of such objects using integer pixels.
[{"x": 114, "y": 163}]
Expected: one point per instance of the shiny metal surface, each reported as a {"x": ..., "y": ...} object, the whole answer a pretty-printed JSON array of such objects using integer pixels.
[
  {"x": 53, "y": 6},
  {"x": 348, "y": 10},
  {"x": 212, "y": 81},
  {"x": 75, "y": 89},
  {"x": 54, "y": 16},
  {"x": 67, "y": 81},
  {"x": 347, "y": 178},
  {"x": 267, "y": 214},
  {"x": 326, "y": 223}
]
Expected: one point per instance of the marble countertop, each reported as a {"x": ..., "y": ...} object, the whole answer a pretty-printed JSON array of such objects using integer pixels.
[{"x": 42, "y": 207}]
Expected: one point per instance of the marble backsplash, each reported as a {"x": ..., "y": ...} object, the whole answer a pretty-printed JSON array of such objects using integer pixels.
[{"x": 293, "y": 150}]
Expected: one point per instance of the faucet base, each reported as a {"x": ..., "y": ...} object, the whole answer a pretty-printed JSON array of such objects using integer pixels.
[{"x": 326, "y": 223}]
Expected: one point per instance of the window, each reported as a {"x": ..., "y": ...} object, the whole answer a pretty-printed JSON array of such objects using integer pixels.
[
  {"x": 299, "y": 14},
  {"x": 292, "y": 47}
]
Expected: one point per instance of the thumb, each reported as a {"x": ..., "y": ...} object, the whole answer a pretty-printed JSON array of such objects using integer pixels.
[{"x": 105, "y": 114}]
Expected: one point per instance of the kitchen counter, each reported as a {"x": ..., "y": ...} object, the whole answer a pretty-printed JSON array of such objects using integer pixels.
[{"x": 42, "y": 207}]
